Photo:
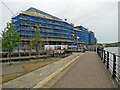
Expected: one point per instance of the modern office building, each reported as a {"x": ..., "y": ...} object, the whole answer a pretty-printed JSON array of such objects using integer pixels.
[{"x": 54, "y": 30}]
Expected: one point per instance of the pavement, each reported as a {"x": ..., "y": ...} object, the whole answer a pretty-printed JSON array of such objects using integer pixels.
[
  {"x": 43, "y": 74},
  {"x": 82, "y": 71},
  {"x": 87, "y": 72}
]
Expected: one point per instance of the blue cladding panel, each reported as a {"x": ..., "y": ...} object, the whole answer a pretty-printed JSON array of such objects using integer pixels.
[
  {"x": 51, "y": 28},
  {"x": 54, "y": 29},
  {"x": 83, "y": 35},
  {"x": 92, "y": 37}
]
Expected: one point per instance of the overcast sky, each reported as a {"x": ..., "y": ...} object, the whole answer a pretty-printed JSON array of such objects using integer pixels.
[{"x": 99, "y": 16}]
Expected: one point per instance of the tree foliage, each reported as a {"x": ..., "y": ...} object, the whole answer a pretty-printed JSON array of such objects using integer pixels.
[
  {"x": 36, "y": 41},
  {"x": 10, "y": 38}
]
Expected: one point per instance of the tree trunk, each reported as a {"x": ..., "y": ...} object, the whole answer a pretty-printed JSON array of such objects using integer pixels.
[
  {"x": 37, "y": 55},
  {"x": 10, "y": 58}
]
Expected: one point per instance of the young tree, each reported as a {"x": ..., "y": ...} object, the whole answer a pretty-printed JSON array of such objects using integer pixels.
[
  {"x": 10, "y": 39},
  {"x": 36, "y": 41}
]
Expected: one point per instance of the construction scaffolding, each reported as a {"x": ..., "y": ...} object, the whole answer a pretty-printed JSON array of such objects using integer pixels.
[
  {"x": 50, "y": 29},
  {"x": 53, "y": 30},
  {"x": 91, "y": 38},
  {"x": 81, "y": 34}
]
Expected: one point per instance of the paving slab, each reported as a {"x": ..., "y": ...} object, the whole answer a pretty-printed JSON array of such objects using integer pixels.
[
  {"x": 31, "y": 79},
  {"x": 88, "y": 72}
]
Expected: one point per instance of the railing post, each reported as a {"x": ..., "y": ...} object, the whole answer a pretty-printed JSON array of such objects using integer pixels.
[
  {"x": 97, "y": 51},
  {"x": 107, "y": 60},
  {"x": 114, "y": 66},
  {"x": 104, "y": 56},
  {"x": 101, "y": 54}
]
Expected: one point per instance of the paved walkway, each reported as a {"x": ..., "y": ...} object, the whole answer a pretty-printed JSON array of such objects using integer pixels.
[
  {"x": 41, "y": 75},
  {"x": 88, "y": 72}
]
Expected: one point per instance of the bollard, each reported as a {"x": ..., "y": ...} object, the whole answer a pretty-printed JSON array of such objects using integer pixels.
[
  {"x": 114, "y": 66},
  {"x": 39, "y": 54},
  {"x": 29, "y": 53},
  {"x": 19, "y": 55},
  {"x": 107, "y": 60}
]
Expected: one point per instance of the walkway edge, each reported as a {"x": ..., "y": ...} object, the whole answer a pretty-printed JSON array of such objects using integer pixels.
[{"x": 40, "y": 84}]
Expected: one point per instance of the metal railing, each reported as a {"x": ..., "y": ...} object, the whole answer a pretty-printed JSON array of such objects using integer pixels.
[
  {"x": 76, "y": 49},
  {"x": 112, "y": 61}
]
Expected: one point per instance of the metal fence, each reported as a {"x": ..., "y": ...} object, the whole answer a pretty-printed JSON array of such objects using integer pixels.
[{"x": 112, "y": 61}]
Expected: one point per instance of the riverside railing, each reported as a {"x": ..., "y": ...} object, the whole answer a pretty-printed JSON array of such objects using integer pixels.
[{"x": 112, "y": 61}]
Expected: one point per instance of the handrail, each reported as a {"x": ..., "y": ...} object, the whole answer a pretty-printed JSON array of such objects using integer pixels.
[
  {"x": 111, "y": 63},
  {"x": 112, "y": 53}
]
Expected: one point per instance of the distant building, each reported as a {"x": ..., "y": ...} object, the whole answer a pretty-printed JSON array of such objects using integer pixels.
[
  {"x": 82, "y": 33},
  {"x": 92, "y": 39}
]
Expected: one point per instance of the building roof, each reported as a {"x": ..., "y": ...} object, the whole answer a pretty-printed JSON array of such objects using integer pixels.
[
  {"x": 80, "y": 27},
  {"x": 91, "y": 32},
  {"x": 40, "y": 13}
]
